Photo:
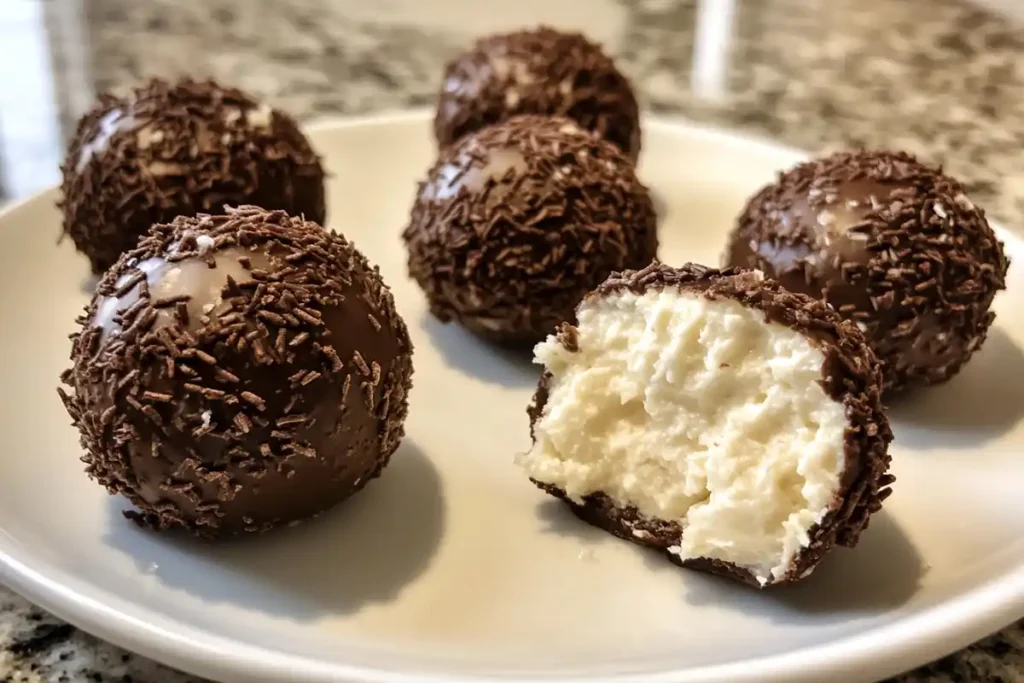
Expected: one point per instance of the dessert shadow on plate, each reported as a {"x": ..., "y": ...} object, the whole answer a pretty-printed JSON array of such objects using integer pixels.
[
  {"x": 475, "y": 357},
  {"x": 881, "y": 573},
  {"x": 983, "y": 402},
  {"x": 362, "y": 552},
  {"x": 660, "y": 204},
  {"x": 89, "y": 284}
]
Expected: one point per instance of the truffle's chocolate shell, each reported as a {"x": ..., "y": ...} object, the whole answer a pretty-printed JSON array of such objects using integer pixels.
[
  {"x": 179, "y": 149},
  {"x": 517, "y": 222},
  {"x": 540, "y": 71},
  {"x": 890, "y": 243},
  {"x": 851, "y": 376},
  {"x": 238, "y": 372}
]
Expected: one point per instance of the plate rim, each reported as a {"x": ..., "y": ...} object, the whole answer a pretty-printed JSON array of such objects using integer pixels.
[{"x": 915, "y": 640}]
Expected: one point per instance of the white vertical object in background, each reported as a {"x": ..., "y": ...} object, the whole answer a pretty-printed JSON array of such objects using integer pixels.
[
  {"x": 29, "y": 128},
  {"x": 711, "y": 45}
]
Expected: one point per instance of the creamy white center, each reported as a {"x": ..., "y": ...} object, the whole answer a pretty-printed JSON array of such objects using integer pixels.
[{"x": 698, "y": 412}]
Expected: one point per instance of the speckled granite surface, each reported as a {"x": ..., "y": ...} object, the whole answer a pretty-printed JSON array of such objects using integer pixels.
[{"x": 935, "y": 76}]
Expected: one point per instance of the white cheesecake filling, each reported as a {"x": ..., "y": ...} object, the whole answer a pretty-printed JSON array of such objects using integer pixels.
[{"x": 698, "y": 412}]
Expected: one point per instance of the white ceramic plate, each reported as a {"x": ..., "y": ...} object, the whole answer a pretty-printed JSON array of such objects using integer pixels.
[{"x": 452, "y": 567}]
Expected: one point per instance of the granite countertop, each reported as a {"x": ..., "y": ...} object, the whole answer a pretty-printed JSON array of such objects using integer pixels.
[{"x": 941, "y": 78}]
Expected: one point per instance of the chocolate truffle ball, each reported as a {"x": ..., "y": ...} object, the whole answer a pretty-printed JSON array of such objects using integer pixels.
[
  {"x": 237, "y": 372},
  {"x": 180, "y": 149},
  {"x": 890, "y": 243},
  {"x": 516, "y": 222},
  {"x": 713, "y": 416},
  {"x": 540, "y": 71}
]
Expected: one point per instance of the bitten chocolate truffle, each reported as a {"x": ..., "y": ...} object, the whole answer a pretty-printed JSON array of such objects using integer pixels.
[
  {"x": 179, "y": 149},
  {"x": 539, "y": 71},
  {"x": 890, "y": 243},
  {"x": 716, "y": 417},
  {"x": 516, "y": 222},
  {"x": 237, "y": 372}
]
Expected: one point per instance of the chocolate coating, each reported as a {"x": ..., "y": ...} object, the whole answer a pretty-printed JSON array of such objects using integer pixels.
[
  {"x": 851, "y": 375},
  {"x": 539, "y": 71},
  {"x": 180, "y": 149},
  {"x": 515, "y": 223},
  {"x": 237, "y": 372},
  {"x": 890, "y": 243}
]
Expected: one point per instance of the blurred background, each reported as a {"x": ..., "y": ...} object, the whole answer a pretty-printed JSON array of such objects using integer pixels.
[{"x": 942, "y": 78}]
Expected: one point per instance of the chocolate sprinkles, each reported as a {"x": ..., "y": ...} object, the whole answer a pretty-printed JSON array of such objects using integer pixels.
[
  {"x": 154, "y": 166},
  {"x": 851, "y": 375},
  {"x": 542, "y": 71},
  {"x": 892, "y": 244},
  {"x": 239, "y": 392},
  {"x": 508, "y": 253}
]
